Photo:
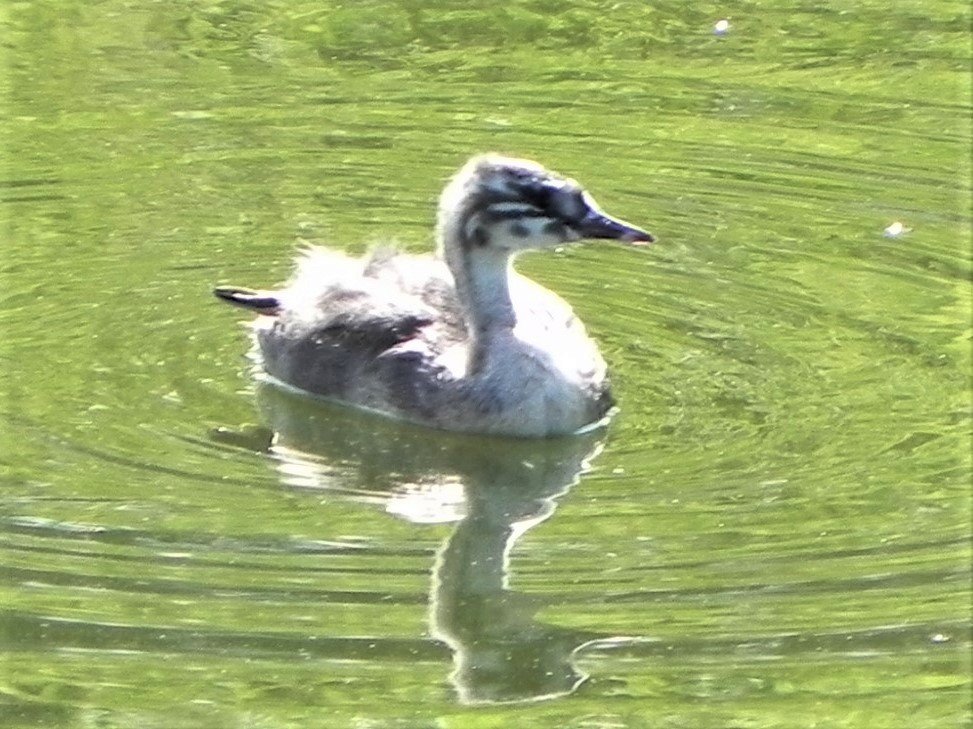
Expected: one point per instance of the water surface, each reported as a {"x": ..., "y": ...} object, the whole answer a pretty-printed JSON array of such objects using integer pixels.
[{"x": 773, "y": 531}]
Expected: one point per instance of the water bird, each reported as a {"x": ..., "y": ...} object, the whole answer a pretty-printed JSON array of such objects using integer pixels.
[{"x": 459, "y": 340}]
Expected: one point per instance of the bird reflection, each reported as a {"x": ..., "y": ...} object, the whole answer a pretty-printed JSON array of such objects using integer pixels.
[{"x": 493, "y": 489}]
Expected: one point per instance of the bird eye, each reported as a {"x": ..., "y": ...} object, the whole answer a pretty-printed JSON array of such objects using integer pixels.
[
  {"x": 560, "y": 199},
  {"x": 540, "y": 193},
  {"x": 568, "y": 203}
]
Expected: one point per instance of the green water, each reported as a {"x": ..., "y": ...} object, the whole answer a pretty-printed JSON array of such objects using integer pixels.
[{"x": 773, "y": 532}]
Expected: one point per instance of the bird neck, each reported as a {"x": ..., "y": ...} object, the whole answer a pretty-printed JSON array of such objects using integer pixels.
[
  {"x": 481, "y": 272},
  {"x": 482, "y": 277}
]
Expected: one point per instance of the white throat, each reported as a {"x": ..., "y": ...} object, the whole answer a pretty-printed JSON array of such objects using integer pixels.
[{"x": 483, "y": 284}]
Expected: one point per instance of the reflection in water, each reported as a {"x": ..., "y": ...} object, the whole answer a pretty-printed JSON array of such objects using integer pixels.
[
  {"x": 494, "y": 489},
  {"x": 501, "y": 652}
]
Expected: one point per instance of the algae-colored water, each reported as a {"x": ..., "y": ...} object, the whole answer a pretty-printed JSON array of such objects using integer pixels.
[{"x": 773, "y": 532}]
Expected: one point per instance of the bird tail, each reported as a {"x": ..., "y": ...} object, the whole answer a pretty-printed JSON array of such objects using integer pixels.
[{"x": 258, "y": 301}]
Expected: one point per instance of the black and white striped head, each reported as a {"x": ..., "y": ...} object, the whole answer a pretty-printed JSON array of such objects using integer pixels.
[{"x": 509, "y": 204}]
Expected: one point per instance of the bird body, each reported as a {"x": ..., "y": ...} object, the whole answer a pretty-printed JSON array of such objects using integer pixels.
[{"x": 459, "y": 340}]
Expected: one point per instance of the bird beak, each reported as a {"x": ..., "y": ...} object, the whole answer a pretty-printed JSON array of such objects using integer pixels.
[{"x": 595, "y": 224}]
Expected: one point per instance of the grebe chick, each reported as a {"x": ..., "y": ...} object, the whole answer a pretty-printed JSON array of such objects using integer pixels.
[{"x": 458, "y": 340}]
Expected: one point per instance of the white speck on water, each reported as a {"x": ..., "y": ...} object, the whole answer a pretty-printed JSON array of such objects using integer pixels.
[
  {"x": 172, "y": 396},
  {"x": 193, "y": 114},
  {"x": 722, "y": 27},
  {"x": 895, "y": 230}
]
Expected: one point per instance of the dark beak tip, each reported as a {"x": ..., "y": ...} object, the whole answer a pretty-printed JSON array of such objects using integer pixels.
[
  {"x": 638, "y": 238},
  {"x": 599, "y": 225}
]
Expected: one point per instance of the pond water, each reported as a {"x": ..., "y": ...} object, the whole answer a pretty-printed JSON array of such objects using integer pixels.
[{"x": 773, "y": 531}]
